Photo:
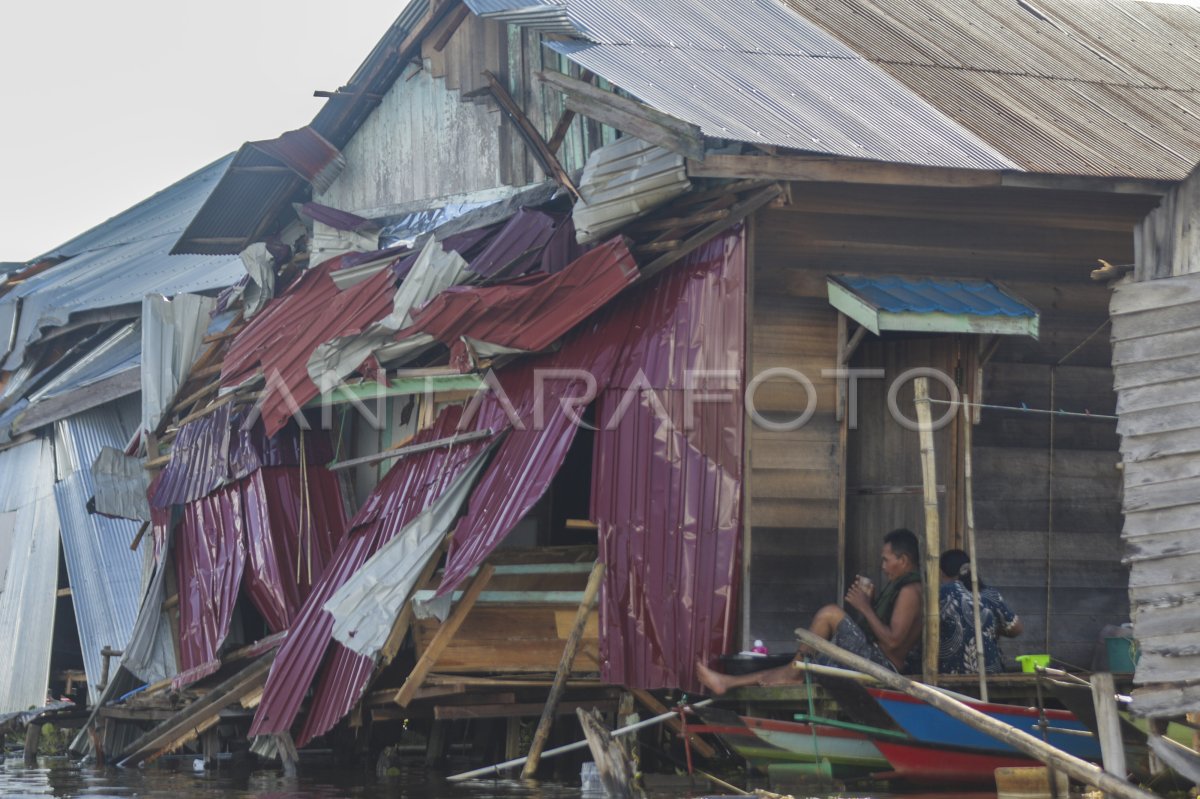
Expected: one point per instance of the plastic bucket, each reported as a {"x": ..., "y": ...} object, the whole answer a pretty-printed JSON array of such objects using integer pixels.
[
  {"x": 1031, "y": 663},
  {"x": 1123, "y": 654}
]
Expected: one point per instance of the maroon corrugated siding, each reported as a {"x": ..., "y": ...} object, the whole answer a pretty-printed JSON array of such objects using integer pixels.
[
  {"x": 668, "y": 501},
  {"x": 517, "y": 247},
  {"x": 254, "y": 530},
  {"x": 530, "y": 313},
  {"x": 287, "y": 545},
  {"x": 527, "y": 460},
  {"x": 403, "y": 493},
  {"x": 279, "y": 341},
  {"x": 210, "y": 555}
]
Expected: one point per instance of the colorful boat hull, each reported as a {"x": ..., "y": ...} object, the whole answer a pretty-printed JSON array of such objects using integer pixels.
[
  {"x": 928, "y": 725},
  {"x": 763, "y": 742},
  {"x": 920, "y": 764}
]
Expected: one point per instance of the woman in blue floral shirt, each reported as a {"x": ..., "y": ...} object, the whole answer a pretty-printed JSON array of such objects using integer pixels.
[{"x": 957, "y": 653}]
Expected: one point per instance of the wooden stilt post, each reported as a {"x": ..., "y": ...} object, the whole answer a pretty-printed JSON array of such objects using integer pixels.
[
  {"x": 615, "y": 771},
  {"x": 929, "y": 662},
  {"x": 288, "y": 755},
  {"x": 435, "y": 749},
  {"x": 564, "y": 670},
  {"x": 1108, "y": 722},
  {"x": 972, "y": 550},
  {"x": 33, "y": 736}
]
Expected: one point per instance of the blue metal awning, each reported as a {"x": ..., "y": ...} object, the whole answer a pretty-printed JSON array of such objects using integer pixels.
[{"x": 934, "y": 305}]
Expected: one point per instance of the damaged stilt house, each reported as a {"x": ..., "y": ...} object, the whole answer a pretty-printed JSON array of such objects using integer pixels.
[{"x": 550, "y": 297}]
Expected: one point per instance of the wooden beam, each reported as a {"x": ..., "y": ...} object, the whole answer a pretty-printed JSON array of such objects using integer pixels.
[
  {"x": 631, "y": 116},
  {"x": 443, "y": 637},
  {"x": 1108, "y": 723},
  {"x": 395, "y": 639},
  {"x": 564, "y": 121},
  {"x": 564, "y": 670},
  {"x": 450, "y": 26},
  {"x": 533, "y": 139},
  {"x": 736, "y": 214},
  {"x": 616, "y": 772},
  {"x": 831, "y": 169},
  {"x": 515, "y": 710},
  {"x": 929, "y": 661},
  {"x": 658, "y": 708},
  {"x": 401, "y": 452}
]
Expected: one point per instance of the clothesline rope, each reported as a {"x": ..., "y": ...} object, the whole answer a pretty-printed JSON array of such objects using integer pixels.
[{"x": 1025, "y": 409}]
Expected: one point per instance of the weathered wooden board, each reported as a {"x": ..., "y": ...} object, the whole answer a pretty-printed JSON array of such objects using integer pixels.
[
  {"x": 1162, "y": 545},
  {"x": 520, "y": 638}
]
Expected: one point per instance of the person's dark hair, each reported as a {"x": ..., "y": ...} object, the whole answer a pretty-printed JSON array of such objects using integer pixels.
[
  {"x": 904, "y": 542},
  {"x": 955, "y": 563}
]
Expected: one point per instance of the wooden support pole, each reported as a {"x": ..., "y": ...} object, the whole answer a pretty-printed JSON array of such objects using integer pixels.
[
  {"x": 657, "y": 708},
  {"x": 288, "y": 756},
  {"x": 929, "y": 661},
  {"x": 1108, "y": 723},
  {"x": 442, "y": 638},
  {"x": 564, "y": 121},
  {"x": 395, "y": 639},
  {"x": 614, "y": 768},
  {"x": 972, "y": 550},
  {"x": 1036, "y": 748},
  {"x": 564, "y": 670},
  {"x": 435, "y": 747},
  {"x": 548, "y": 160},
  {"x": 33, "y": 736}
]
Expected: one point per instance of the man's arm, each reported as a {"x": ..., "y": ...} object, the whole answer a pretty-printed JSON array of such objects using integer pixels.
[{"x": 899, "y": 637}]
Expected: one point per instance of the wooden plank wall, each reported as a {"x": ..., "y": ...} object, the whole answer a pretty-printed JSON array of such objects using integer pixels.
[
  {"x": 1156, "y": 358},
  {"x": 436, "y": 134},
  {"x": 1168, "y": 242},
  {"x": 1042, "y": 245}
]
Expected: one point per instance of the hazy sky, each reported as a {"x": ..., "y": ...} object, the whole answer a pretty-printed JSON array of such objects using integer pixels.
[{"x": 105, "y": 103}]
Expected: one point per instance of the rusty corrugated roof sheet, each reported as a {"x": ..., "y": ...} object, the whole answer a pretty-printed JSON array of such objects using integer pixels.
[
  {"x": 1090, "y": 87},
  {"x": 529, "y": 313},
  {"x": 279, "y": 341}
]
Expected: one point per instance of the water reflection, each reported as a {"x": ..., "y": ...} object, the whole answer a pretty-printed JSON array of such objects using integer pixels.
[{"x": 64, "y": 779}]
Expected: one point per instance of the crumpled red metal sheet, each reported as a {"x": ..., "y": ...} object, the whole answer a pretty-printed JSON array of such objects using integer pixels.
[
  {"x": 279, "y": 341},
  {"x": 528, "y": 459},
  {"x": 221, "y": 448},
  {"x": 307, "y": 153},
  {"x": 401, "y": 495},
  {"x": 288, "y": 547},
  {"x": 529, "y": 313},
  {"x": 517, "y": 247},
  {"x": 667, "y": 495},
  {"x": 210, "y": 555},
  {"x": 255, "y": 530}
]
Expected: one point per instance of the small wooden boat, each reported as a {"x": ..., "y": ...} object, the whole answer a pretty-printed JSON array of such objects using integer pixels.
[
  {"x": 929, "y": 725},
  {"x": 763, "y": 742},
  {"x": 922, "y": 764}
]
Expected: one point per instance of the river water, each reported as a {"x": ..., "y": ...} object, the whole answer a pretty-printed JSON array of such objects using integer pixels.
[{"x": 60, "y": 778}]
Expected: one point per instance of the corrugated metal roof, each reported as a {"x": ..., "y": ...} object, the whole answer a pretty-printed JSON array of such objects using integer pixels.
[
  {"x": 172, "y": 333},
  {"x": 29, "y": 576},
  {"x": 841, "y": 106},
  {"x": 529, "y": 313},
  {"x": 936, "y": 295},
  {"x": 280, "y": 340},
  {"x": 1093, "y": 87},
  {"x": 121, "y": 261},
  {"x": 624, "y": 180},
  {"x": 105, "y": 575}
]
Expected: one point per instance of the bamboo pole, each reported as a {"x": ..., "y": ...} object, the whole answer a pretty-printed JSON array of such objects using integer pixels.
[
  {"x": 929, "y": 662},
  {"x": 1078, "y": 769},
  {"x": 564, "y": 670},
  {"x": 641, "y": 725},
  {"x": 972, "y": 551}
]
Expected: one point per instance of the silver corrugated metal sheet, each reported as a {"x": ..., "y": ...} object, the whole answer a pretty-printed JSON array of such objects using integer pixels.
[
  {"x": 121, "y": 483},
  {"x": 841, "y": 106},
  {"x": 623, "y": 180},
  {"x": 365, "y": 607},
  {"x": 172, "y": 332},
  {"x": 1095, "y": 87},
  {"x": 1156, "y": 369},
  {"x": 121, "y": 261},
  {"x": 28, "y": 580},
  {"x": 150, "y": 651},
  {"x": 105, "y": 575}
]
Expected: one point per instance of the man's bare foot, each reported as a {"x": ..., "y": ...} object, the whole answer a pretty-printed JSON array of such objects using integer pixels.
[{"x": 710, "y": 679}]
